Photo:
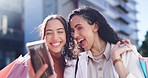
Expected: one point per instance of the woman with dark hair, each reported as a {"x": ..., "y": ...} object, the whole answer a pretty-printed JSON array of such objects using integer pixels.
[
  {"x": 54, "y": 30},
  {"x": 106, "y": 55}
]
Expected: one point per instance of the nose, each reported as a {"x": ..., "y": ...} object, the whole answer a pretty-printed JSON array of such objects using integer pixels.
[
  {"x": 55, "y": 36},
  {"x": 76, "y": 34}
]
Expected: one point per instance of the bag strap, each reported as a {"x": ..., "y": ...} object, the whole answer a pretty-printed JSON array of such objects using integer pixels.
[{"x": 76, "y": 68}]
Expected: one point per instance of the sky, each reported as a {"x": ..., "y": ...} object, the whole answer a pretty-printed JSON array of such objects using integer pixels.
[{"x": 142, "y": 16}]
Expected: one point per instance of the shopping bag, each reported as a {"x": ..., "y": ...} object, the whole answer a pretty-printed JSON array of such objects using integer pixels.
[
  {"x": 147, "y": 65},
  {"x": 15, "y": 68},
  {"x": 18, "y": 71},
  {"x": 144, "y": 65},
  {"x": 6, "y": 70}
]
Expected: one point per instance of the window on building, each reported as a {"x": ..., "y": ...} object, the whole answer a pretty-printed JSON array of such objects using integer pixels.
[
  {"x": 0, "y": 23},
  {"x": 4, "y": 24}
]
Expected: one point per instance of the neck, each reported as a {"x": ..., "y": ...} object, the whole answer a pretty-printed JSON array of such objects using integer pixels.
[
  {"x": 98, "y": 47},
  {"x": 56, "y": 55}
]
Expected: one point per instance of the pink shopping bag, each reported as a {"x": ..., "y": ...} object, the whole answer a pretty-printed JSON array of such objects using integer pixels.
[
  {"x": 18, "y": 71},
  {"x": 6, "y": 70}
]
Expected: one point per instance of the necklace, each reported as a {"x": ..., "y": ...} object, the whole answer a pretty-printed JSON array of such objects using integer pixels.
[{"x": 96, "y": 55}]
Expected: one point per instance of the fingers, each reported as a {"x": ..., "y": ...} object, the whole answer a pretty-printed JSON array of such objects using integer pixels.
[
  {"x": 53, "y": 76},
  {"x": 119, "y": 49},
  {"x": 117, "y": 44},
  {"x": 127, "y": 41},
  {"x": 123, "y": 46},
  {"x": 51, "y": 60},
  {"x": 30, "y": 69},
  {"x": 38, "y": 74},
  {"x": 41, "y": 71},
  {"x": 123, "y": 49}
]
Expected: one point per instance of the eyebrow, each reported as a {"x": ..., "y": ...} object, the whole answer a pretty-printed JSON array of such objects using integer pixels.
[
  {"x": 48, "y": 30},
  {"x": 77, "y": 25},
  {"x": 57, "y": 29},
  {"x": 60, "y": 29}
]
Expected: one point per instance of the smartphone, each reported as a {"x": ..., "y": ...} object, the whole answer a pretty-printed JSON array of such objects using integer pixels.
[{"x": 38, "y": 51}]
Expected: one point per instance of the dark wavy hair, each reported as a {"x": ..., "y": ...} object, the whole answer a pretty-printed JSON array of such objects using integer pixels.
[
  {"x": 66, "y": 49},
  {"x": 92, "y": 16}
]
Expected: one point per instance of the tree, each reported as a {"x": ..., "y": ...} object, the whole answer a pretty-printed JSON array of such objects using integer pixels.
[{"x": 144, "y": 46}]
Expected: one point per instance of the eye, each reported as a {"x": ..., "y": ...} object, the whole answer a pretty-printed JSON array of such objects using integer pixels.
[
  {"x": 79, "y": 28},
  {"x": 60, "y": 32},
  {"x": 49, "y": 33}
]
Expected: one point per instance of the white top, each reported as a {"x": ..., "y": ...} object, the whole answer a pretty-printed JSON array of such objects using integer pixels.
[{"x": 130, "y": 60}]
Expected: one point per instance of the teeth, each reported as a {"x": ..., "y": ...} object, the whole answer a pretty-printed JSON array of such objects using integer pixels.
[
  {"x": 56, "y": 44},
  {"x": 80, "y": 40}
]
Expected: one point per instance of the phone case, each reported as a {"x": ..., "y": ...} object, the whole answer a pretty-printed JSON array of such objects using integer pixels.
[{"x": 39, "y": 55}]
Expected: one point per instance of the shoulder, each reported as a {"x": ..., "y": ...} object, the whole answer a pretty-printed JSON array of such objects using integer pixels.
[
  {"x": 83, "y": 55},
  {"x": 71, "y": 62},
  {"x": 131, "y": 56},
  {"x": 133, "y": 51},
  {"x": 70, "y": 68}
]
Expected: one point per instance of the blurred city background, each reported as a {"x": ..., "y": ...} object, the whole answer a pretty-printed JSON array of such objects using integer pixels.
[{"x": 20, "y": 18}]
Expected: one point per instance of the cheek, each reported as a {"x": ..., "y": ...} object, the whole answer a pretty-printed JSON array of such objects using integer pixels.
[
  {"x": 89, "y": 36},
  {"x": 47, "y": 39},
  {"x": 82, "y": 33},
  {"x": 64, "y": 38}
]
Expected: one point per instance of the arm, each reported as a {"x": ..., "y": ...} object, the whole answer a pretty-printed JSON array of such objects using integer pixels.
[
  {"x": 131, "y": 62},
  {"x": 130, "y": 67},
  {"x": 119, "y": 66}
]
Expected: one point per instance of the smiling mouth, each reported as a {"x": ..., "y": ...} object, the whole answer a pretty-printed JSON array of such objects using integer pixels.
[
  {"x": 56, "y": 44},
  {"x": 80, "y": 42}
]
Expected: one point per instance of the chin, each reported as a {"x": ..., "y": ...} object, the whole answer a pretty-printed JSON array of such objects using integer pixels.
[
  {"x": 86, "y": 49},
  {"x": 57, "y": 51}
]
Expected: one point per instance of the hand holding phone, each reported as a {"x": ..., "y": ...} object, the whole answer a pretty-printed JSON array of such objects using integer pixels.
[{"x": 39, "y": 56}]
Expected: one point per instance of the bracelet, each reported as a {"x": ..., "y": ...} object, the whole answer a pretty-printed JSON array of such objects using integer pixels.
[{"x": 117, "y": 60}]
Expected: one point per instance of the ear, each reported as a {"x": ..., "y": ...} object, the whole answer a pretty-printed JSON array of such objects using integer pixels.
[{"x": 96, "y": 27}]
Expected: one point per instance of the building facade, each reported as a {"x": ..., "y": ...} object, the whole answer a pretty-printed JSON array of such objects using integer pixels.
[{"x": 11, "y": 31}]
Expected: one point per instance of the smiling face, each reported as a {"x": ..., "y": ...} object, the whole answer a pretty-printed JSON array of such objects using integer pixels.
[
  {"x": 55, "y": 35},
  {"x": 83, "y": 32}
]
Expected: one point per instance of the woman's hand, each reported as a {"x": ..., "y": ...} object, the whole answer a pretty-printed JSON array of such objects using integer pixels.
[
  {"x": 41, "y": 70},
  {"x": 39, "y": 73},
  {"x": 120, "y": 48}
]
